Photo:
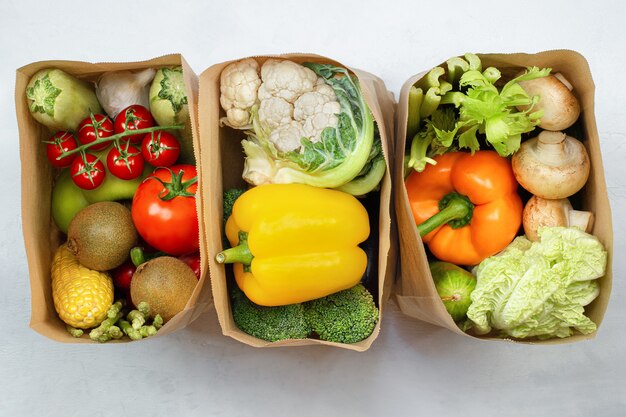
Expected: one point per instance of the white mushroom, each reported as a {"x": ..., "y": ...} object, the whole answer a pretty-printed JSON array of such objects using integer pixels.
[
  {"x": 560, "y": 107},
  {"x": 551, "y": 165},
  {"x": 540, "y": 212}
]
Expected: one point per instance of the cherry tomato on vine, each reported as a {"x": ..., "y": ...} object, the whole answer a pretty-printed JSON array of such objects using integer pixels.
[
  {"x": 88, "y": 172},
  {"x": 160, "y": 149},
  {"x": 59, "y": 143},
  {"x": 87, "y": 130},
  {"x": 133, "y": 117},
  {"x": 125, "y": 162},
  {"x": 164, "y": 210}
]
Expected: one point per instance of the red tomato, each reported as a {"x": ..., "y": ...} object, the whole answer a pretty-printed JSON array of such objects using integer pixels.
[
  {"x": 133, "y": 117},
  {"x": 87, "y": 173},
  {"x": 123, "y": 275},
  {"x": 126, "y": 162},
  {"x": 193, "y": 260},
  {"x": 160, "y": 149},
  {"x": 87, "y": 130},
  {"x": 164, "y": 210},
  {"x": 59, "y": 143}
]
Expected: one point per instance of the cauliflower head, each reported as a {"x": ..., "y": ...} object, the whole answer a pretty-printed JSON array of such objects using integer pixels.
[
  {"x": 297, "y": 129},
  {"x": 275, "y": 112},
  {"x": 316, "y": 111},
  {"x": 239, "y": 83},
  {"x": 287, "y": 137},
  {"x": 285, "y": 79}
]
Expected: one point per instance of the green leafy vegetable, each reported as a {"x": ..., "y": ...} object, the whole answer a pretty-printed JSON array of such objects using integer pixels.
[
  {"x": 372, "y": 173},
  {"x": 455, "y": 108},
  {"x": 335, "y": 160},
  {"x": 416, "y": 96},
  {"x": 495, "y": 112},
  {"x": 539, "y": 289},
  {"x": 435, "y": 138}
]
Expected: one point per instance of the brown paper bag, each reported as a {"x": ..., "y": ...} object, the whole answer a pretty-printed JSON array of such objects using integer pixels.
[
  {"x": 416, "y": 294},
  {"x": 222, "y": 165},
  {"x": 41, "y": 236}
]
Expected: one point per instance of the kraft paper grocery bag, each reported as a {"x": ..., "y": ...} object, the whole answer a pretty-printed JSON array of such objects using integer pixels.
[
  {"x": 222, "y": 165},
  {"x": 415, "y": 293},
  {"x": 41, "y": 236}
]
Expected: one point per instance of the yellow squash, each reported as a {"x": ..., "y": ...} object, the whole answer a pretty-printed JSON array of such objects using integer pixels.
[
  {"x": 293, "y": 243},
  {"x": 81, "y": 296}
]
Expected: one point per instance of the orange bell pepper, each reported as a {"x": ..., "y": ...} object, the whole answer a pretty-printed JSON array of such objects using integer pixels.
[{"x": 466, "y": 206}]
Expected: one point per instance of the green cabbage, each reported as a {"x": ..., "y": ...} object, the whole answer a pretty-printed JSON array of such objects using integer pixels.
[
  {"x": 539, "y": 289},
  {"x": 340, "y": 155}
]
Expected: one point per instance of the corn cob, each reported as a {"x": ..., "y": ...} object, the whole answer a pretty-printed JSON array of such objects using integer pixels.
[{"x": 81, "y": 296}]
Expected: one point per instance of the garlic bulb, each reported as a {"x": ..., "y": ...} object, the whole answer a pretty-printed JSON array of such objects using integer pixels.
[{"x": 117, "y": 90}]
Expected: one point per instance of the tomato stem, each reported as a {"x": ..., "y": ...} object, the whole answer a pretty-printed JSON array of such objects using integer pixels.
[
  {"x": 176, "y": 188},
  {"x": 455, "y": 210}
]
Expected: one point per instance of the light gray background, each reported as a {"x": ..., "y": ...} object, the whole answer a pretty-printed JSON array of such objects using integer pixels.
[{"x": 412, "y": 368}]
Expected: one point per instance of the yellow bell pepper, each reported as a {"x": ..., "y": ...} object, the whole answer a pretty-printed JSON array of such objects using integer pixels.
[{"x": 294, "y": 243}]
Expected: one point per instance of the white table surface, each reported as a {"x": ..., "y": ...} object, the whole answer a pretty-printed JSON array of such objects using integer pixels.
[{"x": 413, "y": 368}]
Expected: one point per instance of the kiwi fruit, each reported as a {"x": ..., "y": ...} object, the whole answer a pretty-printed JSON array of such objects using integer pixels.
[
  {"x": 165, "y": 283},
  {"x": 101, "y": 235}
]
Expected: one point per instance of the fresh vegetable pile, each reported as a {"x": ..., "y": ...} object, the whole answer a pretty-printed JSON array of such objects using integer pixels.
[
  {"x": 125, "y": 181},
  {"x": 298, "y": 235},
  {"x": 489, "y": 171}
]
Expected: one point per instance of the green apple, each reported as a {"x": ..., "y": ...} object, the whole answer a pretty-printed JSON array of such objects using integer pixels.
[
  {"x": 114, "y": 189},
  {"x": 67, "y": 200},
  {"x": 454, "y": 285}
]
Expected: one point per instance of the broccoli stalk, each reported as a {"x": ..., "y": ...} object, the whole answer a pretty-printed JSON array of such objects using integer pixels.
[{"x": 348, "y": 316}]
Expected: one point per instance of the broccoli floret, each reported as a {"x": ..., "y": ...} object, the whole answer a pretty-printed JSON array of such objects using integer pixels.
[
  {"x": 269, "y": 323},
  {"x": 348, "y": 316},
  {"x": 230, "y": 196}
]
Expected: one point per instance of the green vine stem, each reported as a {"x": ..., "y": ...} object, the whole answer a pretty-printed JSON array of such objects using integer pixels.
[{"x": 117, "y": 137}]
